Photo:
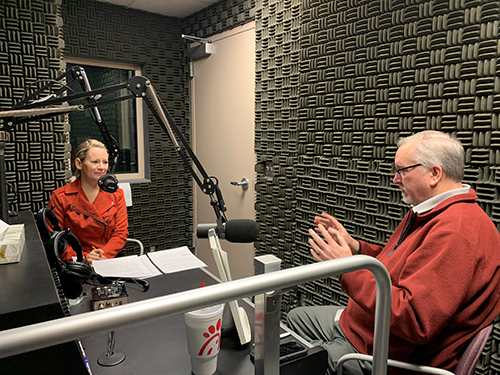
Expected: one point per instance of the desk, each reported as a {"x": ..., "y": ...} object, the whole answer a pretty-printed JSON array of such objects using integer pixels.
[
  {"x": 160, "y": 347},
  {"x": 27, "y": 296}
]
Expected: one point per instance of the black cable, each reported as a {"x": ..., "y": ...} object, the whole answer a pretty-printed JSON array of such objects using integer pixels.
[
  {"x": 45, "y": 80},
  {"x": 98, "y": 280}
]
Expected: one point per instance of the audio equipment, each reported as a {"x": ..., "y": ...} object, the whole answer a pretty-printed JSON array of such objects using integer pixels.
[
  {"x": 41, "y": 218},
  {"x": 99, "y": 280},
  {"x": 108, "y": 182},
  {"x": 71, "y": 274},
  {"x": 238, "y": 230},
  {"x": 107, "y": 296}
]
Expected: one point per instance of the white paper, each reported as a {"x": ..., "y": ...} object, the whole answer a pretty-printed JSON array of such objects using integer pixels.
[
  {"x": 142, "y": 267},
  {"x": 3, "y": 228},
  {"x": 131, "y": 266},
  {"x": 175, "y": 260},
  {"x": 127, "y": 191}
]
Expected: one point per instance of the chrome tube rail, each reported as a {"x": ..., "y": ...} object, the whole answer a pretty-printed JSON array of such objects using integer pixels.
[
  {"x": 392, "y": 363},
  {"x": 41, "y": 335}
]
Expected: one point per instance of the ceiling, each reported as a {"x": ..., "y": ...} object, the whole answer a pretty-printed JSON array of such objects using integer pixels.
[{"x": 172, "y": 8}]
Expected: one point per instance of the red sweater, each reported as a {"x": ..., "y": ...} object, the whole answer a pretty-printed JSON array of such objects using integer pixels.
[
  {"x": 103, "y": 224},
  {"x": 445, "y": 285}
]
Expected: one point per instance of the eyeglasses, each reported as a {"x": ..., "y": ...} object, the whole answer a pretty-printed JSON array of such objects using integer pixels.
[{"x": 398, "y": 171}]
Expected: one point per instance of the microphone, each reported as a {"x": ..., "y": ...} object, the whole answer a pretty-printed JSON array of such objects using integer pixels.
[
  {"x": 108, "y": 182},
  {"x": 71, "y": 289},
  {"x": 239, "y": 230}
]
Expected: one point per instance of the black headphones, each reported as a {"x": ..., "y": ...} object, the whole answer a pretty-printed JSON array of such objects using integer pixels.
[
  {"x": 71, "y": 274},
  {"x": 41, "y": 222}
]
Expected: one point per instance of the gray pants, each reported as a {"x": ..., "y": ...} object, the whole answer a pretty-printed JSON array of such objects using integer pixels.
[{"x": 319, "y": 325}]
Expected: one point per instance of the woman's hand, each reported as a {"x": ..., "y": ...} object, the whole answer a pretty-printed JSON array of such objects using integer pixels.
[
  {"x": 96, "y": 254},
  {"x": 329, "y": 222},
  {"x": 335, "y": 246}
]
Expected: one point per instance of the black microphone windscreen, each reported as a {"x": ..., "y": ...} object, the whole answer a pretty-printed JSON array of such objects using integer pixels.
[
  {"x": 108, "y": 183},
  {"x": 241, "y": 230}
]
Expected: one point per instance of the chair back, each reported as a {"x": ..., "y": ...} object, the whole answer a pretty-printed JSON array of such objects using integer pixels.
[{"x": 468, "y": 360}]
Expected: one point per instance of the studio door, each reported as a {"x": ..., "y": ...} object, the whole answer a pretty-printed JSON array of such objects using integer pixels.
[{"x": 223, "y": 96}]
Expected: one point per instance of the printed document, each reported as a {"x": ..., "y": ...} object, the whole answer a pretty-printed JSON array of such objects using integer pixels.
[{"x": 149, "y": 265}]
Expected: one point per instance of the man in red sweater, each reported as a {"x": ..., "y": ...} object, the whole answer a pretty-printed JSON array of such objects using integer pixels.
[{"x": 443, "y": 259}]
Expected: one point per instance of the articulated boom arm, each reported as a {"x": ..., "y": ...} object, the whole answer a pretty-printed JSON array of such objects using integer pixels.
[{"x": 56, "y": 104}]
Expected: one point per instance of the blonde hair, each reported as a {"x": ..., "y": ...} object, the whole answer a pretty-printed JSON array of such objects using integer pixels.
[{"x": 83, "y": 149}]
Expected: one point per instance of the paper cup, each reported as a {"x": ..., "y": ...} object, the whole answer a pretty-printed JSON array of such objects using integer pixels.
[{"x": 203, "y": 338}]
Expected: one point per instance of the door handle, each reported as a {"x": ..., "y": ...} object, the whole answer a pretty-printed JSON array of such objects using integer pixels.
[{"x": 243, "y": 183}]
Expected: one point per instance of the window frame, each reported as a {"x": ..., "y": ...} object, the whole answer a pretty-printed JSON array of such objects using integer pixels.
[{"x": 143, "y": 174}]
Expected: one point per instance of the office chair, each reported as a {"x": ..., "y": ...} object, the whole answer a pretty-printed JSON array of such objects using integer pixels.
[
  {"x": 126, "y": 188},
  {"x": 466, "y": 364},
  {"x": 469, "y": 359},
  {"x": 141, "y": 246}
]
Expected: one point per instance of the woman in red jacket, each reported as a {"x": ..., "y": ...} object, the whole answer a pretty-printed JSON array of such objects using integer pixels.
[{"x": 97, "y": 218}]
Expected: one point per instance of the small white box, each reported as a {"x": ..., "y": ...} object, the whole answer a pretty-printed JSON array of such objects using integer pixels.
[{"x": 12, "y": 244}]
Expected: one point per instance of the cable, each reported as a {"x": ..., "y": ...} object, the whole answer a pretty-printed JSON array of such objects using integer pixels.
[{"x": 46, "y": 80}]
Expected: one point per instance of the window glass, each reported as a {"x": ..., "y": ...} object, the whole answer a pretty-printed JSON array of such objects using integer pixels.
[{"x": 123, "y": 119}]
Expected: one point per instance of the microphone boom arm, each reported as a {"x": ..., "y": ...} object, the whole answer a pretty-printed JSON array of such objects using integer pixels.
[
  {"x": 109, "y": 140},
  {"x": 169, "y": 126},
  {"x": 74, "y": 74},
  {"x": 138, "y": 87}
]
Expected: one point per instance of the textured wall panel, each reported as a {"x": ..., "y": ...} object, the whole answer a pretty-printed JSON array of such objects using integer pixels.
[
  {"x": 276, "y": 130},
  {"x": 222, "y": 16},
  {"x": 30, "y": 51},
  {"x": 370, "y": 72}
]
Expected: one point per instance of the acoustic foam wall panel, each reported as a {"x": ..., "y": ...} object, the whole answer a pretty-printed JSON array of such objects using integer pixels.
[
  {"x": 30, "y": 51},
  {"x": 219, "y": 17},
  {"x": 370, "y": 73},
  {"x": 276, "y": 130}
]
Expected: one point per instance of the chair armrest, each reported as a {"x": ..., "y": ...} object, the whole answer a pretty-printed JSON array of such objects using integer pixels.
[
  {"x": 137, "y": 242},
  {"x": 392, "y": 363}
]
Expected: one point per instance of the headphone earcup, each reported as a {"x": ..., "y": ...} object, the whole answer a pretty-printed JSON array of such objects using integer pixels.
[
  {"x": 71, "y": 274},
  {"x": 79, "y": 272},
  {"x": 55, "y": 247},
  {"x": 75, "y": 244},
  {"x": 70, "y": 288}
]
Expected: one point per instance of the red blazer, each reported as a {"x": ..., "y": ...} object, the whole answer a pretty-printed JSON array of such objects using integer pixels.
[{"x": 103, "y": 224}]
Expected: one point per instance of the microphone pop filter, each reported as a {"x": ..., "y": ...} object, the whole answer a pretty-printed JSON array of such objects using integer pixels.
[{"x": 242, "y": 230}]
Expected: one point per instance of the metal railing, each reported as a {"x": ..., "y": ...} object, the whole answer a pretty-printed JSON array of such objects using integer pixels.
[{"x": 41, "y": 335}]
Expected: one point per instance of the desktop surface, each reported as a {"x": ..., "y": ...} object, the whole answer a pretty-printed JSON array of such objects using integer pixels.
[
  {"x": 28, "y": 295},
  {"x": 160, "y": 347}
]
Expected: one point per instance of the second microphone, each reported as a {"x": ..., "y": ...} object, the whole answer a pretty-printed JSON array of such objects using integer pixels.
[{"x": 238, "y": 230}]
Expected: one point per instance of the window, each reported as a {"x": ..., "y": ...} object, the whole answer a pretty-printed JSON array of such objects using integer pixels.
[{"x": 126, "y": 120}]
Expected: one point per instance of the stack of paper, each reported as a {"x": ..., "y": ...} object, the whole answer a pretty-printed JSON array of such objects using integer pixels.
[{"x": 149, "y": 265}]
